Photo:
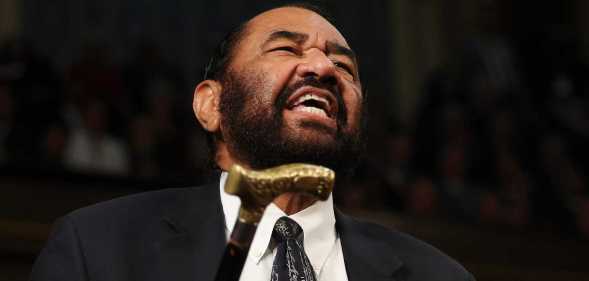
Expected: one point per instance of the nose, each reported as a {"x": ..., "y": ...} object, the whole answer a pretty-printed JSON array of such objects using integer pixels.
[{"x": 317, "y": 64}]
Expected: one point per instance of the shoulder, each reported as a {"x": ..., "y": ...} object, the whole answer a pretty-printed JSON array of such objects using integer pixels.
[
  {"x": 419, "y": 259},
  {"x": 129, "y": 204},
  {"x": 108, "y": 239},
  {"x": 406, "y": 246},
  {"x": 140, "y": 208}
]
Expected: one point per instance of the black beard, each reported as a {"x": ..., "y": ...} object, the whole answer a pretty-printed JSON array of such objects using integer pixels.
[{"x": 254, "y": 128}]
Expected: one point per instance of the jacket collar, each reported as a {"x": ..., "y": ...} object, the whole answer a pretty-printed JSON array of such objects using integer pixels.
[
  {"x": 367, "y": 256},
  {"x": 194, "y": 237}
]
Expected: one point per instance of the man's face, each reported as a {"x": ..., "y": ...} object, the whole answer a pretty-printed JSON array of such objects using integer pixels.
[{"x": 292, "y": 93}]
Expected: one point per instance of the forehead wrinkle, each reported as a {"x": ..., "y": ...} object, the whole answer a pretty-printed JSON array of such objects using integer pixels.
[
  {"x": 297, "y": 37},
  {"x": 292, "y": 16}
]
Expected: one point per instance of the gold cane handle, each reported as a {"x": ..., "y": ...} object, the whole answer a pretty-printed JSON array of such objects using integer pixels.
[{"x": 257, "y": 189}]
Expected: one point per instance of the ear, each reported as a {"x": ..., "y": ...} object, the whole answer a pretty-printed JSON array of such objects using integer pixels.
[{"x": 205, "y": 104}]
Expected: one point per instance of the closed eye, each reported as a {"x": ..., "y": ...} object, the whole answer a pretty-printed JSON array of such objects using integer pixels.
[
  {"x": 287, "y": 49},
  {"x": 343, "y": 66}
]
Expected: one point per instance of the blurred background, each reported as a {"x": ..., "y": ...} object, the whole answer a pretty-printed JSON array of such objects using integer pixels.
[{"x": 477, "y": 129}]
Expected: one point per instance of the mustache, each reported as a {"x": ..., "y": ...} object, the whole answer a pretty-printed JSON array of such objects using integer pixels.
[{"x": 312, "y": 81}]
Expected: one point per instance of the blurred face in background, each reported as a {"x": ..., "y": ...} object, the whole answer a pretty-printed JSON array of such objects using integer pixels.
[{"x": 292, "y": 93}]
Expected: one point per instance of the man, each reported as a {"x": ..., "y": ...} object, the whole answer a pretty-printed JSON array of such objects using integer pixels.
[{"x": 282, "y": 88}]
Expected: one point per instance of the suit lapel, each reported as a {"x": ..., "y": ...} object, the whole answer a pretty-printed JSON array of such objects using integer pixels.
[
  {"x": 191, "y": 240},
  {"x": 194, "y": 237},
  {"x": 366, "y": 256}
]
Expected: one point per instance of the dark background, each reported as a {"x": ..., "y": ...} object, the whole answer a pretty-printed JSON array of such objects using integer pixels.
[{"x": 476, "y": 136}]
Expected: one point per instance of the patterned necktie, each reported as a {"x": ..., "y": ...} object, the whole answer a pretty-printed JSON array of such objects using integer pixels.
[{"x": 291, "y": 262}]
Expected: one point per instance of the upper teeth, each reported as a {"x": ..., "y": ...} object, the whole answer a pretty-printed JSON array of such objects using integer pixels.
[{"x": 311, "y": 97}]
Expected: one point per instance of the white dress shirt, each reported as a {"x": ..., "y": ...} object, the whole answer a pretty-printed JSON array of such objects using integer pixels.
[{"x": 322, "y": 243}]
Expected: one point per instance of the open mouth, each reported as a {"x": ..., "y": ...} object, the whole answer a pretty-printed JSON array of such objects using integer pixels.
[{"x": 314, "y": 101}]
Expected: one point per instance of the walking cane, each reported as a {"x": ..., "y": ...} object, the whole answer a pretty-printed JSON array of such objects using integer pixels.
[{"x": 257, "y": 189}]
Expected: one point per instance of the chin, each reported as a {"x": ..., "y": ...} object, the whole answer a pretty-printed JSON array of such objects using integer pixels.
[{"x": 312, "y": 133}]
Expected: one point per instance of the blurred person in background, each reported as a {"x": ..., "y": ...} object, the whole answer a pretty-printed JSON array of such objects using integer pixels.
[
  {"x": 91, "y": 148},
  {"x": 35, "y": 90},
  {"x": 95, "y": 77},
  {"x": 473, "y": 137}
]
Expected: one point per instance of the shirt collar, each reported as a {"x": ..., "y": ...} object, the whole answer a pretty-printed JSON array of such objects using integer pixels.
[
  {"x": 230, "y": 205},
  {"x": 317, "y": 222}
]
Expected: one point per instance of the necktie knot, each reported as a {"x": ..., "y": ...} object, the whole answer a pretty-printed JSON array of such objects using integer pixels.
[{"x": 286, "y": 228}]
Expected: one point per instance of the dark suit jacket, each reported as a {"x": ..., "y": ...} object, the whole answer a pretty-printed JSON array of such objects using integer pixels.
[{"x": 179, "y": 235}]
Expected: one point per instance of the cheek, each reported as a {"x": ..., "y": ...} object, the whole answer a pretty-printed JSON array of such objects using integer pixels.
[
  {"x": 273, "y": 85},
  {"x": 259, "y": 83},
  {"x": 260, "y": 94},
  {"x": 278, "y": 74}
]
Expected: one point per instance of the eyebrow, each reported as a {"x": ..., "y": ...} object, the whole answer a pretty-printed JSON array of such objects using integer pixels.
[
  {"x": 299, "y": 38},
  {"x": 338, "y": 49}
]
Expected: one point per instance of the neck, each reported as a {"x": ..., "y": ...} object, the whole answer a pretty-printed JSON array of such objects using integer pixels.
[{"x": 292, "y": 203}]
